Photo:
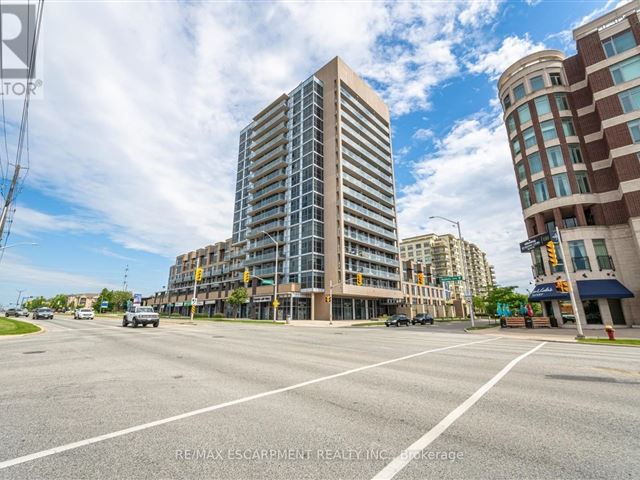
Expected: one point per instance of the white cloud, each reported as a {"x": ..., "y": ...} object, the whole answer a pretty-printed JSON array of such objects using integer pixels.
[
  {"x": 423, "y": 134},
  {"x": 138, "y": 129},
  {"x": 470, "y": 178},
  {"x": 513, "y": 48}
]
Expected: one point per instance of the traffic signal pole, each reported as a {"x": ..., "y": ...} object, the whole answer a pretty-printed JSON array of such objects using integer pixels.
[
  {"x": 573, "y": 292},
  {"x": 194, "y": 299}
]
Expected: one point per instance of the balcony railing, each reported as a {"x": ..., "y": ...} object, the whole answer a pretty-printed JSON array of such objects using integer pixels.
[
  {"x": 581, "y": 263},
  {"x": 605, "y": 262}
]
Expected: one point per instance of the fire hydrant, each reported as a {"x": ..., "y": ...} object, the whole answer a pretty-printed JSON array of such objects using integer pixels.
[{"x": 610, "y": 332}]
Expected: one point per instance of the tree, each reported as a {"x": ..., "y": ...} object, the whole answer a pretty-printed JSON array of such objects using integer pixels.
[
  {"x": 480, "y": 305},
  {"x": 120, "y": 299},
  {"x": 237, "y": 298},
  {"x": 36, "y": 302},
  {"x": 504, "y": 295},
  {"x": 59, "y": 302},
  {"x": 106, "y": 295}
]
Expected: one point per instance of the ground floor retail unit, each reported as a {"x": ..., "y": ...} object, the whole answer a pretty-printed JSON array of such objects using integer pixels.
[{"x": 602, "y": 302}]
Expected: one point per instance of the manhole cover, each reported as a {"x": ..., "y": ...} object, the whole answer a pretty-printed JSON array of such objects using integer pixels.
[
  {"x": 34, "y": 351},
  {"x": 218, "y": 336}
]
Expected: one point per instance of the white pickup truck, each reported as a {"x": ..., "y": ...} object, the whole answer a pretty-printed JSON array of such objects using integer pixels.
[{"x": 137, "y": 315}]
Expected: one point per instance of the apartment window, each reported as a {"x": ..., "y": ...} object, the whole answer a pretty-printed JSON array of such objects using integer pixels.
[
  {"x": 535, "y": 164},
  {"x": 626, "y": 70},
  {"x": 518, "y": 92},
  {"x": 536, "y": 83},
  {"x": 579, "y": 255},
  {"x": 511, "y": 124},
  {"x": 554, "y": 156},
  {"x": 634, "y": 129},
  {"x": 602, "y": 254},
  {"x": 506, "y": 101},
  {"x": 555, "y": 78},
  {"x": 548, "y": 129},
  {"x": 529, "y": 137},
  {"x": 542, "y": 193},
  {"x": 630, "y": 100},
  {"x": 562, "y": 101},
  {"x": 583, "y": 182},
  {"x": 570, "y": 222},
  {"x": 619, "y": 43},
  {"x": 516, "y": 146},
  {"x": 526, "y": 197},
  {"x": 522, "y": 174},
  {"x": 568, "y": 128},
  {"x": 561, "y": 185},
  {"x": 542, "y": 105},
  {"x": 575, "y": 153},
  {"x": 524, "y": 114},
  {"x": 550, "y": 226}
]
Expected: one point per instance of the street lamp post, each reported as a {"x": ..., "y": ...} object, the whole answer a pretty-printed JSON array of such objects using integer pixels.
[
  {"x": 275, "y": 281},
  {"x": 19, "y": 295},
  {"x": 467, "y": 281}
]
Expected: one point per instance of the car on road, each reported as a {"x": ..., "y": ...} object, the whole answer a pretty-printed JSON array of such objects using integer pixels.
[
  {"x": 140, "y": 315},
  {"x": 81, "y": 313},
  {"x": 397, "y": 320},
  {"x": 16, "y": 312},
  {"x": 422, "y": 319},
  {"x": 43, "y": 312}
]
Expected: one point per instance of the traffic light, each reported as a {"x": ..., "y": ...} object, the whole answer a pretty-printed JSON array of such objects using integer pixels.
[
  {"x": 563, "y": 286},
  {"x": 359, "y": 281},
  {"x": 198, "y": 274},
  {"x": 551, "y": 251},
  {"x": 420, "y": 278},
  {"x": 327, "y": 298},
  {"x": 246, "y": 276}
]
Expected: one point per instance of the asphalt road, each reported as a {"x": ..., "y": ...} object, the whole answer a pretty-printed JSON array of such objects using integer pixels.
[{"x": 90, "y": 399}]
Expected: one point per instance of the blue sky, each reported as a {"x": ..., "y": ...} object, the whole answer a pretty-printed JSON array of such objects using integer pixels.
[{"x": 133, "y": 147}]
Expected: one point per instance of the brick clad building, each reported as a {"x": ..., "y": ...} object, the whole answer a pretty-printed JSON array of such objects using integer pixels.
[{"x": 574, "y": 128}]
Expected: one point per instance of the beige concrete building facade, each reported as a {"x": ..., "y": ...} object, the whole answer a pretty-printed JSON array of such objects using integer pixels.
[{"x": 443, "y": 254}]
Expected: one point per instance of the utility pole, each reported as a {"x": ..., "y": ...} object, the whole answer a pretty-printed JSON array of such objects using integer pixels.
[
  {"x": 18, "y": 300},
  {"x": 124, "y": 281},
  {"x": 8, "y": 200},
  {"x": 573, "y": 292}
]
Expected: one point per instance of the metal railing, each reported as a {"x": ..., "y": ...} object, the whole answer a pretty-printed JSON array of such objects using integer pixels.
[
  {"x": 581, "y": 263},
  {"x": 605, "y": 262}
]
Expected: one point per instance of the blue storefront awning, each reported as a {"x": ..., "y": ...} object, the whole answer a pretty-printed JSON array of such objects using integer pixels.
[
  {"x": 589, "y": 289},
  {"x": 610, "y": 288}
]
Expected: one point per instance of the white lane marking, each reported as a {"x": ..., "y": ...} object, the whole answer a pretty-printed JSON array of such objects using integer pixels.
[
  {"x": 144, "y": 426},
  {"x": 402, "y": 460}
]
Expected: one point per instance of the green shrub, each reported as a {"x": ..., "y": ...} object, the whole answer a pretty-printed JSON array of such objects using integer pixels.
[{"x": 218, "y": 315}]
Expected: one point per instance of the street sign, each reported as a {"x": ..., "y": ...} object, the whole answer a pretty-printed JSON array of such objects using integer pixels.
[
  {"x": 137, "y": 298},
  {"x": 454, "y": 278},
  {"x": 276, "y": 304},
  {"x": 267, "y": 282},
  {"x": 538, "y": 241},
  {"x": 104, "y": 304}
]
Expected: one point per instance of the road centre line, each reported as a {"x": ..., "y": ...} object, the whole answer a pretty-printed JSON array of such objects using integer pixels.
[
  {"x": 156, "y": 423},
  {"x": 402, "y": 460}
]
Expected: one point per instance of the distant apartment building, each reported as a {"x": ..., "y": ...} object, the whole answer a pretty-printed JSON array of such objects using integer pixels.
[
  {"x": 574, "y": 130},
  {"x": 82, "y": 300},
  {"x": 442, "y": 254}
]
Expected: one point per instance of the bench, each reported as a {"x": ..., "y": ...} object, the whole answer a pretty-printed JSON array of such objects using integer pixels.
[
  {"x": 541, "y": 322},
  {"x": 514, "y": 322}
]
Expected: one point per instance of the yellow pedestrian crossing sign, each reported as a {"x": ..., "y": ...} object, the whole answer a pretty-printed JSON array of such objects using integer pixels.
[{"x": 276, "y": 304}]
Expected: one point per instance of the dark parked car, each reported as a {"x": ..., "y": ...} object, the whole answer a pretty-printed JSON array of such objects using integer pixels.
[
  {"x": 397, "y": 320},
  {"x": 16, "y": 312},
  {"x": 568, "y": 317},
  {"x": 43, "y": 313},
  {"x": 422, "y": 319}
]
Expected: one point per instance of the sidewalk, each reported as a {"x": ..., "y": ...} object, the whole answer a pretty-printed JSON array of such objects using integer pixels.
[{"x": 558, "y": 334}]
